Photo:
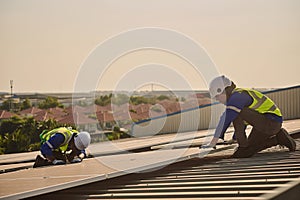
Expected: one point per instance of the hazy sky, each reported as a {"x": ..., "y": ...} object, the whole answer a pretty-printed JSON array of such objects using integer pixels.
[{"x": 44, "y": 43}]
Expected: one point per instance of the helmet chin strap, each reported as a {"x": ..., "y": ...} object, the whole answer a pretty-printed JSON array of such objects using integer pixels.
[{"x": 229, "y": 90}]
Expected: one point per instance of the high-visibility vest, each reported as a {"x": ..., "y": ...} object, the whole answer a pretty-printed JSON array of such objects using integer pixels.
[
  {"x": 261, "y": 103},
  {"x": 67, "y": 133}
]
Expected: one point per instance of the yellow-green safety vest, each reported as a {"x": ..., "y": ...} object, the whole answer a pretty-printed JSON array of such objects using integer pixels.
[
  {"x": 261, "y": 103},
  {"x": 66, "y": 132}
]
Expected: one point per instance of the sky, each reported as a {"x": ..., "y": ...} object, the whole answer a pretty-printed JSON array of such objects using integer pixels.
[{"x": 46, "y": 45}]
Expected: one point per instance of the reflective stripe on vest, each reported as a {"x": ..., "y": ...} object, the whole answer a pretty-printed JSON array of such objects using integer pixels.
[
  {"x": 64, "y": 131},
  {"x": 261, "y": 103}
]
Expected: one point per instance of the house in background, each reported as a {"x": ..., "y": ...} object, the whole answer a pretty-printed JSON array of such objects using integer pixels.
[
  {"x": 6, "y": 114},
  {"x": 76, "y": 116},
  {"x": 51, "y": 113},
  {"x": 105, "y": 119},
  {"x": 30, "y": 112},
  {"x": 80, "y": 121}
]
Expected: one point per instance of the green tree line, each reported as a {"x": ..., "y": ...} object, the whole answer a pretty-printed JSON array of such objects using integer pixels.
[
  {"x": 9, "y": 104},
  {"x": 48, "y": 102},
  {"x": 120, "y": 99},
  {"x": 22, "y": 134}
]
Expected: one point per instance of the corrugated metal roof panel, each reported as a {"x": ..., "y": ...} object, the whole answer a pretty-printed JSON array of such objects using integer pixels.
[
  {"x": 274, "y": 166},
  {"x": 264, "y": 176}
]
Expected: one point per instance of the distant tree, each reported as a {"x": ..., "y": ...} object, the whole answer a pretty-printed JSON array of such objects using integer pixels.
[
  {"x": 19, "y": 135},
  {"x": 15, "y": 142},
  {"x": 120, "y": 99},
  {"x": 156, "y": 108},
  {"x": 162, "y": 97},
  {"x": 6, "y": 105},
  {"x": 103, "y": 100},
  {"x": 48, "y": 124},
  {"x": 13, "y": 138},
  {"x": 182, "y": 99},
  {"x": 136, "y": 100},
  {"x": 9, "y": 104},
  {"x": 10, "y": 125},
  {"x": 26, "y": 104},
  {"x": 50, "y": 102},
  {"x": 82, "y": 103}
]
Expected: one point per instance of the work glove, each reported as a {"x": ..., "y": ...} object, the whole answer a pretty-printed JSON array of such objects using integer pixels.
[
  {"x": 76, "y": 160},
  {"x": 58, "y": 162}
]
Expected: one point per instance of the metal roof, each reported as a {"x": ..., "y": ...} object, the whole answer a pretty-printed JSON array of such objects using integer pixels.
[
  {"x": 270, "y": 172},
  {"x": 268, "y": 175}
]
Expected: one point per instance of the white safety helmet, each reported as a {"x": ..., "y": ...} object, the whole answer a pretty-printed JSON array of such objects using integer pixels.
[
  {"x": 218, "y": 85},
  {"x": 82, "y": 140}
]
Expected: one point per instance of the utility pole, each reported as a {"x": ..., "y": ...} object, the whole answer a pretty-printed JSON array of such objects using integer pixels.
[
  {"x": 11, "y": 87},
  {"x": 11, "y": 95}
]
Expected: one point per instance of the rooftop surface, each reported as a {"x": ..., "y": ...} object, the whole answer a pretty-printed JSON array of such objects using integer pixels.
[
  {"x": 113, "y": 160},
  {"x": 267, "y": 175}
]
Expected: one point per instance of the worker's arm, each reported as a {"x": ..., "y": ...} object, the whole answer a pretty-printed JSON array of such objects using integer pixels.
[
  {"x": 53, "y": 143},
  {"x": 76, "y": 156},
  {"x": 235, "y": 104},
  {"x": 82, "y": 154}
]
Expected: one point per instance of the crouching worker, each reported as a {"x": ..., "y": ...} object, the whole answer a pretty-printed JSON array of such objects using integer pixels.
[
  {"x": 248, "y": 107},
  {"x": 62, "y": 145}
]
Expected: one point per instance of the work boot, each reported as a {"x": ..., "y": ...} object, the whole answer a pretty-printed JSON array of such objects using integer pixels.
[
  {"x": 286, "y": 140},
  {"x": 40, "y": 162},
  {"x": 243, "y": 152}
]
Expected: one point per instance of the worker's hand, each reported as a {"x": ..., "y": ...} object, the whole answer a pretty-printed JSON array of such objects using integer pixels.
[
  {"x": 76, "y": 160},
  {"x": 82, "y": 156},
  {"x": 58, "y": 162}
]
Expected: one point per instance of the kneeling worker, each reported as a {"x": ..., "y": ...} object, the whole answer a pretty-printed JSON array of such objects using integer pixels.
[
  {"x": 248, "y": 107},
  {"x": 61, "y": 145}
]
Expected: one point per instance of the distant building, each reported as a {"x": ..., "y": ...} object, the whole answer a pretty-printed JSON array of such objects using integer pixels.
[
  {"x": 30, "y": 112},
  {"x": 80, "y": 121},
  {"x": 6, "y": 114}
]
